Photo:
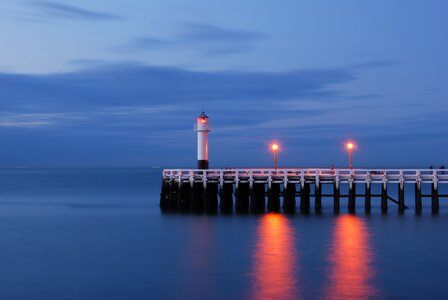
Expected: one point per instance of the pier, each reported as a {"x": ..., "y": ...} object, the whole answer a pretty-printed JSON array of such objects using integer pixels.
[{"x": 263, "y": 189}]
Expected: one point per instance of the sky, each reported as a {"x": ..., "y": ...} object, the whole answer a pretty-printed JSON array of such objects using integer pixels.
[{"x": 119, "y": 83}]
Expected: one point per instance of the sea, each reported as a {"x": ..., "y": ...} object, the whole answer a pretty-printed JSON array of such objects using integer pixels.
[{"x": 100, "y": 234}]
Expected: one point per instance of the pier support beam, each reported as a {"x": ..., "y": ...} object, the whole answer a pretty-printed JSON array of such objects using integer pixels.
[
  {"x": 435, "y": 197},
  {"x": 289, "y": 198},
  {"x": 368, "y": 197},
  {"x": 164, "y": 195},
  {"x": 305, "y": 197},
  {"x": 401, "y": 205},
  {"x": 337, "y": 196},
  {"x": 183, "y": 196},
  {"x": 211, "y": 196},
  {"x": 418, "y": 197},
  {"x": 352, "y": 196},
  {"x": 226, "y": 197},
  {"x": 242, "y": 197},
  {"x": 257, "y": 197},
  {"x": 173, "y": 196},
  {"x": 274, "y": 197},
  {"x": 318, "y": 196},
  {"x": 384, "y": 197},
  {"x": 197, "y": 199}
]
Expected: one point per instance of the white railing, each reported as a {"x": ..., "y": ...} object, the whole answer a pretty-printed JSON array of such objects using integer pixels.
[{"x": 309, "y": 175}]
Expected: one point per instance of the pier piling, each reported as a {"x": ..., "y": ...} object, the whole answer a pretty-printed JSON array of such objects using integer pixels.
[
  {"x": 318, "y": 196},
  {"x": 384, "y": 199},
  {"x": 368, "y": 196},
  {"x": 184, "y": 196},
  {"x": 305, "y": 197},
  {"x": 435, "y": 197},
  {"x": 274, "y": 197},
  {"x": 242, "y": 197},
  {"x": 337, "y": 196},
  {"x": 197, "y": 199},
  {"x": 289, "y": 198},
  {"x": 418, "y": 197},
  {"x": 257, "y": 197},
  {"x": 401, "y": 205},
  {"x": 226, "y": 197},
  {"x": 211, "y": 196},
  {"x": 352, "y": 196}
]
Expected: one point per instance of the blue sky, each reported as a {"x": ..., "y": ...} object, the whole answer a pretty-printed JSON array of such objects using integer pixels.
[{"x": 119, "y": 83}]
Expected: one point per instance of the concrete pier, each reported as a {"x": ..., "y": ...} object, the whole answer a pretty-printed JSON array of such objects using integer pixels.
[{"x": 199, "y": 190}]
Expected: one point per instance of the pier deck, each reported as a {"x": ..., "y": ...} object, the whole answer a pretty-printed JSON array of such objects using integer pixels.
[{"x": 194, "y": 188}]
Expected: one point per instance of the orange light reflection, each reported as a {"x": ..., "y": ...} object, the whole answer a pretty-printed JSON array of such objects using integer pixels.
[
  {"x": 351, "y": 260},
  {"x": 275, "y": 260}
]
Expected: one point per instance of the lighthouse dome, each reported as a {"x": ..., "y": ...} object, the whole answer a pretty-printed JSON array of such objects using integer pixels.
[{"x": 203, "y": 115}]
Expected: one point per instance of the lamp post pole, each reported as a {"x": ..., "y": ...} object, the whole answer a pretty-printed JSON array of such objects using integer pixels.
[
  {"x": 350, "y": 146},
  {"x": 275, "y": 149}
]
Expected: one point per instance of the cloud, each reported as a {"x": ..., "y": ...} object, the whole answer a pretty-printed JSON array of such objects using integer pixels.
[
  {"x": 64, "y": 11},
  {"x": 122, "y": 111},
  {"x": 376, "y": 64},
  {"x": 205, "y": 38},
  {"x": 137, "y": 85},
  {"x": 199, "y": 32}
]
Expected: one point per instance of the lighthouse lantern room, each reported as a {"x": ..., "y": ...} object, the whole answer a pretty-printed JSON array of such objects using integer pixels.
[{"x": 202, "y": 128}]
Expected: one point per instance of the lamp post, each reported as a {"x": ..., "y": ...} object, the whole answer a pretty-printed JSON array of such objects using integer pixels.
[
  {"x": 350, "y": 146},
  {"x": 275, "y": 149}
]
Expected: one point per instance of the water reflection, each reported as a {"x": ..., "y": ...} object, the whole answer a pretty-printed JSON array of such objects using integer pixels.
[
  {"x": 274, "y": 274},
  {"x": 351, "y": 260}
]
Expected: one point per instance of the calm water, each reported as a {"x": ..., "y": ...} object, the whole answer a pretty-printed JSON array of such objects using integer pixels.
[{"x": 99, "y": 234}]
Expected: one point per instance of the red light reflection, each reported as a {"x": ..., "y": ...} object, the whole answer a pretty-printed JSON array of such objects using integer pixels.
[
  {"x": 351, "y": 259},
  {"x": 275, "y": 260}
]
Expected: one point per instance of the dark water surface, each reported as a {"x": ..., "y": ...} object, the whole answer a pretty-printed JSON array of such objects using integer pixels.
[{"x": 99, "y": 234}]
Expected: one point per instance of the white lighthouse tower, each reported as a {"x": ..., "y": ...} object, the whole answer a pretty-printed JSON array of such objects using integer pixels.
[{"x": 202, "y": 128}]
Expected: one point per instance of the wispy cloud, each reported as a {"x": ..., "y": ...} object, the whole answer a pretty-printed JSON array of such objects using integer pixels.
[
  {"x": 137, "y": 107},
  {"x": 205, "y": 38},
  {"x": 49, "y": 9},
  {"x": 200, "y": 32}
]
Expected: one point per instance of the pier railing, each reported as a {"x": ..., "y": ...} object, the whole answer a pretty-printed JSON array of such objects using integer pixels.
[{"x": 309, "y": 175}]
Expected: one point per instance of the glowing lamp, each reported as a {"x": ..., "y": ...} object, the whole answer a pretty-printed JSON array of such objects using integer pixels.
[{"x": 274, "y": 147}]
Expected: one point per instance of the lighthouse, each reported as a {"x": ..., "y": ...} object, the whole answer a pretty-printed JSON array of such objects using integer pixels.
[{"x": 202, "y": 128}]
